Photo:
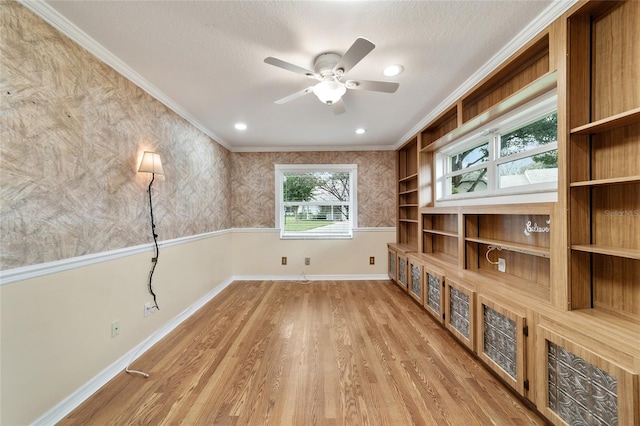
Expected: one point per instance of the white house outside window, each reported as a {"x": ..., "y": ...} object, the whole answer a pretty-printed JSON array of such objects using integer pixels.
[{"x": 316, "y": 200}]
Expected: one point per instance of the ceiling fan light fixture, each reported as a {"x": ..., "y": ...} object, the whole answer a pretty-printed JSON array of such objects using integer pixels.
[{"x": 329, "y": 91}]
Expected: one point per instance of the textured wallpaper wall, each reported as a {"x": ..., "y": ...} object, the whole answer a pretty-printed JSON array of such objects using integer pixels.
[
  {"x": 253, "y": 180},
  {"x": 72, "y": 132}
]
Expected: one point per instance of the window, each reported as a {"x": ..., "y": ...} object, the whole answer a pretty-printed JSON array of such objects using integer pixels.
[
  {"x": 316, "y": 200},
  {"x": 515, "y": 154}
]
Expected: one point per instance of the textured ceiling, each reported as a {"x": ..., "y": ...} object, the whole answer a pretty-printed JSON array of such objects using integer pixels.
[{"x": 205, "y": 60}]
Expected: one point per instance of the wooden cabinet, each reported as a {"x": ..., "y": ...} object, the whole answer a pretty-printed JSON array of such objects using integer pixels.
[
  {"x": 398, "y": 263},
  {"x": 460, "y": 308},
  {"x": 434, "y": 282},
  {"x": 501, "y": 341},
  {"x": 392, "y": 263},
  {"x": 580, "y": 386},
  {"x": 415, "y": 285}
]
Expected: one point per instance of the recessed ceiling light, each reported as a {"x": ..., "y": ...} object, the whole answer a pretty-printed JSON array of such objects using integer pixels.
[
  {"x": 241, "y": 126},
  {"x": 393, "y": 70},
  {"x": 360, "y": 131}
]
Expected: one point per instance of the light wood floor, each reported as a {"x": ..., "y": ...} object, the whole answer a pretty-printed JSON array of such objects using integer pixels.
[{"x": 317, "y": 353}]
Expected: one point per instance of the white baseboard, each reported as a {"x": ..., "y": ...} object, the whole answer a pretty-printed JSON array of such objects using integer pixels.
[
  {"x": 66, "y": 406},
  {"x": 305, "y": 277}
]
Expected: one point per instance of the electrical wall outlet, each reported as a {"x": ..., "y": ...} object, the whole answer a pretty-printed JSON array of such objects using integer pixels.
[
  {"x": 307, "y": 261},
  {"x": 502, "y": 265},
  {"x": 115, "y": 329},
  {"x": 148, "y": 309},
  {"x": 372, "y": 260},
  {"x": 284, "y": 260}
]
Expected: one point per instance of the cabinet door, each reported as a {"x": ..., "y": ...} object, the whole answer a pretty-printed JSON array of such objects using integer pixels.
[
  {"x": 415, "y": 286},
  {"x": 500, "y": 339},
  {"x": 392, "y": 266},
  {"x": 434, "y": 292},
  {"x": 460, "y": 308},
  {"x": 403, "y": 267},
  {"x": 581, "y": 387}
]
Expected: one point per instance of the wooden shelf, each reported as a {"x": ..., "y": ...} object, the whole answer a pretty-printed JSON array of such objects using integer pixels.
[
  {"x": 506, "y": 245},
  {"x": 410, "y": 191},
  {"x": 611, "y": 181},
  {"x": 409, "y": 220},
  {"x": 439, "y": 232},
  {"x": 408, "y": 205},
  {"x": 618, "y": 120},
  {"x": 406, "y": 178},
  {"x": 608, "y": 251}
]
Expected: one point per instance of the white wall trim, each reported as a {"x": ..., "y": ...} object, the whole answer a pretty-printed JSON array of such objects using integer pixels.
[
  {"x": 69, "y": 29},
  {"x": 23, "y": 273},
  {"x": 11, "y": 276},
  {"x": 67, "y": 405},
  {"x": 277, "y": 230},
  {"x": 550, "y": 14}
]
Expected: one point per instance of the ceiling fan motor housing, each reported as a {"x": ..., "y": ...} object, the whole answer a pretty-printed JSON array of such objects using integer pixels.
[{"x": 325, "y": 63}]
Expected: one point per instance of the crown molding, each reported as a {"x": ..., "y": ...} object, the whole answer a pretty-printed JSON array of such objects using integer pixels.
[
  {"x": 314, "y": 148},
  {"x": 69, "y": 29},
  {"x": 542, "y": 21}
]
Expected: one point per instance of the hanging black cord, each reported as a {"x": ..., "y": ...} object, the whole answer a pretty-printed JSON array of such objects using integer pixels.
[{"x": 154, "y": 261}]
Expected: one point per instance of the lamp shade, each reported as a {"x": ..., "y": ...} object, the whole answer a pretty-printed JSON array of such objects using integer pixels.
[
  {"x": 151, "y": 163},
  {"x": 329, "y": 91}
]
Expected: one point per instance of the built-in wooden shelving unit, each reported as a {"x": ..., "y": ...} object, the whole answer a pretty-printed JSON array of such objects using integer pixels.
[{"x": 535, "y": 289}]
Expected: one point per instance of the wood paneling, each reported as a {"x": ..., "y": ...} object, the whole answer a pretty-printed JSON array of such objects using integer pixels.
[
  {"x": 616, "y": 61},
  {"x": 523, "y": 70},
  {"x": 292, "y": 353}
]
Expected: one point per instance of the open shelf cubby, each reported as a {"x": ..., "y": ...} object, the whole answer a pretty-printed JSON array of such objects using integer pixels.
[
  {"x": 522, "y": 240},
  {"x": 440, "y": 236}
]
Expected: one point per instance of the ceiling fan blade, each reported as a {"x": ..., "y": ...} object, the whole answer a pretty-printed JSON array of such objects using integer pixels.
[
  {"x": 358, "y": 50},
  {"x": 289, "y": 67},
  {"x": 374, "y": 86},
  {"x": 294, "y": 96},
  {"x": 338, "y": 107}
]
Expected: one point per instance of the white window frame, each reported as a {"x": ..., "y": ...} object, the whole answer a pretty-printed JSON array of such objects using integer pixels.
[
  {"x": 281, "y": 169},
  {"x": 526, "y": 114}
]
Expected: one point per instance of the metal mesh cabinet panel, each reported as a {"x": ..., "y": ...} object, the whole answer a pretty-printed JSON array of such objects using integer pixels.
[{"x": 580, "y": 393}]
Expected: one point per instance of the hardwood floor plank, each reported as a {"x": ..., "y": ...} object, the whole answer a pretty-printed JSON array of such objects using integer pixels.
[{"x": 316, "y": 353}]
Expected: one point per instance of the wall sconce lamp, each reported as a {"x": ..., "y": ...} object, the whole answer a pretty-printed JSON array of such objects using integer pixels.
[{"x": 151, "y": 163}]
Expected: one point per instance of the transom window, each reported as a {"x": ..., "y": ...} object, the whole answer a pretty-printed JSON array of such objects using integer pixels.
[
  {"x": 316, "y": 200},
  {"x": 516, "y": 154}
]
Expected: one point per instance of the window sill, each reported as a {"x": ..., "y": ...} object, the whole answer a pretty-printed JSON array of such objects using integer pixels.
[{"x": 310, "y": 236}]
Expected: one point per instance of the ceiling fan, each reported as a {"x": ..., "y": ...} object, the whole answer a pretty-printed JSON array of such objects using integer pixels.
[{"x": 329, "y": 69}]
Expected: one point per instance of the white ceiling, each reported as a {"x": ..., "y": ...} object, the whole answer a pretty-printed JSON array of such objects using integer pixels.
[{"x": 204, "y": 59}]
